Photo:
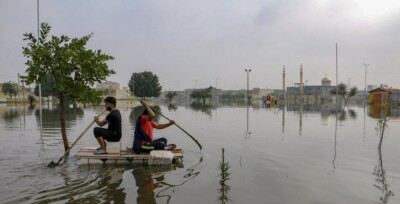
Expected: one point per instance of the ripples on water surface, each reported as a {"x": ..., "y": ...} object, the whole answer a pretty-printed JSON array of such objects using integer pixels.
[{"x": 275, "y": 156}]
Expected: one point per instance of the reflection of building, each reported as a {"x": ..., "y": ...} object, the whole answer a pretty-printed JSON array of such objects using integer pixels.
[
  {"x": 113, "y": 89},
  {"x": 312, "y": 93}
]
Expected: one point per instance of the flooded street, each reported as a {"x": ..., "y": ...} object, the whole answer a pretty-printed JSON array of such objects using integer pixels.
[{"x": 291, "y": 155}]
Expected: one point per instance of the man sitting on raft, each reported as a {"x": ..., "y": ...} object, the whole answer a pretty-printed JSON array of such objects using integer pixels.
[
  {"x": 143, "y": 139},
  {"x": 113, "y": 132}
]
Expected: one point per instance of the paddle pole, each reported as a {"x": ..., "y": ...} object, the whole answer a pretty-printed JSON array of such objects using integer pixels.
[
  {"x": 198, "y": 144},
  {"x": 54, "y": 164}
]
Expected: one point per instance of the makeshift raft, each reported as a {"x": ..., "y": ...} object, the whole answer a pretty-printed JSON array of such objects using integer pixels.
[{"x": 156, "y": 157}]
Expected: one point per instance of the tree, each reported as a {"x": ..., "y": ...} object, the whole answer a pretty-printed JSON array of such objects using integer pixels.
[
  {"x": 202, "y": 94},
  {"x": 344, "y": 92},
  {"x": 145, "y": 84},
  {"x": 170, "y": 95},
  {"x": 74, "y": 68},
  {"x": 9, "y": 89}
]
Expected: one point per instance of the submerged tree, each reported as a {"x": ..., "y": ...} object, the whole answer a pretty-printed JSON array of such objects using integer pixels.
[
  {"x": 379, "y": 170},
  {"x": 9, "y": 89},
  {"x": 74, "y": 68},
  {"x": 345, "y": 92},
  {"x": 202, "y": 95},
  {"x": 145, "y": 84},
  {"x": 170, "y": 95}
]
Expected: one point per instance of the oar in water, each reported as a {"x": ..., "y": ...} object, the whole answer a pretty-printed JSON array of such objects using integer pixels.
[
  {"x": 198, "y": 144},
  {"x": 54, "y": 164},
  {"x": 158, "y": 112}
]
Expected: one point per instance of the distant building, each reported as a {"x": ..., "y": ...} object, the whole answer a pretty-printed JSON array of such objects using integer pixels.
[
  {"x": 382, "y": 97},
  {"x": 22, "y": 92},
  {"x": 113, "y": 89},
  {"x": 312, "y": 93}
]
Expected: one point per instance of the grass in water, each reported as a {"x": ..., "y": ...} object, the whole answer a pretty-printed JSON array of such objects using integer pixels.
[{"x": 224, "y": 168}]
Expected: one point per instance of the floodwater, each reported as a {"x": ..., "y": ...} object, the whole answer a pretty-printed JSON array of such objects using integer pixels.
[{"x": 291, "y": 155}]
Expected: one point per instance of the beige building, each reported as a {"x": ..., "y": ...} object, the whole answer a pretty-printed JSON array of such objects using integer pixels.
[{"x": 113, "y": 89}]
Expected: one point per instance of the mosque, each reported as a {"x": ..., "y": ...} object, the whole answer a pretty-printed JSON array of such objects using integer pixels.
[{"x": 312, "y": 93}]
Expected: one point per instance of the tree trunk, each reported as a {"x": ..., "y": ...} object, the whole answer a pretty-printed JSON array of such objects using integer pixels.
[{"x": 62, "y": 119}]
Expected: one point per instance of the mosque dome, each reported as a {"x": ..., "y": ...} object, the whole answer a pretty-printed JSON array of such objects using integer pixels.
[
  {"x": 326, "y": 81},
  {"x": 326, "y": 78}
]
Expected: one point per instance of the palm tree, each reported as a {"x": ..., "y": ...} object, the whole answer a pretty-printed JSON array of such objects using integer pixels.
[{"x": 345, "y": 92}]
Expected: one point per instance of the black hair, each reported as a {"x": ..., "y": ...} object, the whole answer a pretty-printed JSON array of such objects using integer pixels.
[{"x": 110, "y": 99}]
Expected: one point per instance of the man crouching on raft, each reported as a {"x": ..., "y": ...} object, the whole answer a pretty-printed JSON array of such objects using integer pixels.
[
  {"x": 143, "y": 139},
  {"x": 113, "y": 132}
]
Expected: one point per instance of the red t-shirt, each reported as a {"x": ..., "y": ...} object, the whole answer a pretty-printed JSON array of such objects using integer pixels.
[{"x": 147, "y": 127}]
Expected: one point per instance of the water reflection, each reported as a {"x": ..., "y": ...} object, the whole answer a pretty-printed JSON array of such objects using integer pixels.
[
  {"x": 172, "y": 107},
  {"x": 335, "y": 143},
  {"x": 192, "y": 173},
  {"x": 381, "y": 112},
  {"x": 12, "y": 112},
  {"x": 51, "y": 117},
  {"x": 147, "y": 179},
  {"x": 111, "y": 184},
  {"x": 202, "y": 108},
  {"x": 379, "y": 170}
]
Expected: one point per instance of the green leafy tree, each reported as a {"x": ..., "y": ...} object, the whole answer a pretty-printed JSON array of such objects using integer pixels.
[
  {"x": 145, "y": 84},
  {"x": 202, "y": 95},
  {"x": 74, "y": 68},
  {"x": 170, "y": 95},
  {"x": 9, "y": 89},
  {"x": 345, "y": 92}
]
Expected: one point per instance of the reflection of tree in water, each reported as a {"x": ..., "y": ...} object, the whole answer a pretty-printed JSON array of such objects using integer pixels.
[
  {"x": 202, "y": 108},
  {"x": 11, "y": 113},
  {"x": 138, "y": 110},
  {"x": 343, "y": 114},
  {"x": 379, "y": 171},
  {"x": 51, "y": 118},
  {"x": 172, "y": 107},
  {"x": 106, "y": 185}
]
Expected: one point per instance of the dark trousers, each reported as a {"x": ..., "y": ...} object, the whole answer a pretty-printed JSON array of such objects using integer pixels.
[
  {"x": 158, "y": 144},
  {"x": 106, "y": 134}
]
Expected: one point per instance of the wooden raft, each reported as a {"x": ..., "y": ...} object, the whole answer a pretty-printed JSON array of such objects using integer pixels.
[{"x": 86, "y": 155}]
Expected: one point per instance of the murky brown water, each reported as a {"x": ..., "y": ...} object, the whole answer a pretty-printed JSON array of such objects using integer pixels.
[{"x": 275, "y": 156}]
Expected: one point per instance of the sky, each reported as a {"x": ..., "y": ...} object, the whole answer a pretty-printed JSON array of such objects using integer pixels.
[{"x": 196, "y": 44}]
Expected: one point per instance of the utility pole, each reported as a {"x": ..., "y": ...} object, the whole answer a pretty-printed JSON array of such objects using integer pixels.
[
  {"x": 284, "y": 83},
  {"x": 365, "y": 82},
  {"x": 247, "y": 92},
  {"x": 301, "y": 82}
]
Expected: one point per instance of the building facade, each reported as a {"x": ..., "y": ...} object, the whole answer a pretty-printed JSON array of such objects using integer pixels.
[{"x": 311, "y": 93}]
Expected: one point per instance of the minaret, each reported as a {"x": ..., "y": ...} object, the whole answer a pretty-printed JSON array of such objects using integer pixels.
[
  {"x": 301, "y": 81},
  {"x": 283, "y": 83}
]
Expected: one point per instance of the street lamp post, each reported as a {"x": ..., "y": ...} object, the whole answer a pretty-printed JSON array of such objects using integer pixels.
[
  {"x": 365, "y": 82},
  {"x": 247, "y": 92}
]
